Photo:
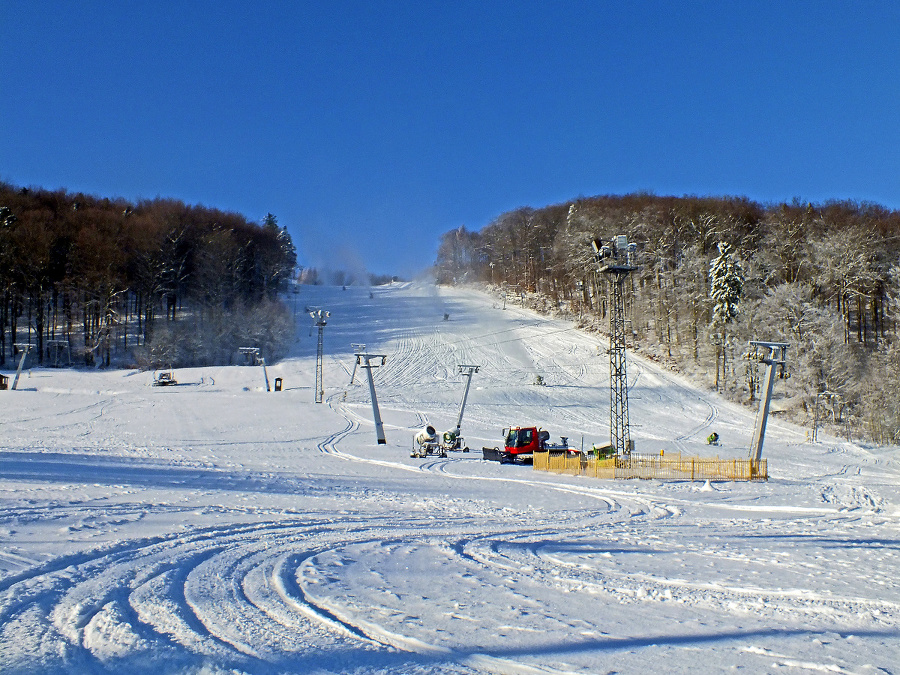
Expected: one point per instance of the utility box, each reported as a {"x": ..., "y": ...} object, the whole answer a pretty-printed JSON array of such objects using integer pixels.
[{"x": 277, "y": 384}]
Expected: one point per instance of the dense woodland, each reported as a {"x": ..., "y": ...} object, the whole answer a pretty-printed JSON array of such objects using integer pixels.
[
  {"x": 825, "y": 278},
  {"x": 158, "y": 283}
]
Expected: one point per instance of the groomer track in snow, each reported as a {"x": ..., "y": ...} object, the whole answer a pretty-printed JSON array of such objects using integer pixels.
[{"x": 212, "y": 526}]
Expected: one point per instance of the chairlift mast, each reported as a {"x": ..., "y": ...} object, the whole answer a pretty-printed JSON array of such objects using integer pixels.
[
  {"x": 252, "y": 358},
  {"x": 832, "y": 398},
  {"x": 24, "y": 348},
  {"x": 376, "y": 413},
  {"x": 776, "y": 355},
  {"x": 357, "y": 347},
  {"x": 59, "y": 349},
  {"x": 467, "y": 372}
]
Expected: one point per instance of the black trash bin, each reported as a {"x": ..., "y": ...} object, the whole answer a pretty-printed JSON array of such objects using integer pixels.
[{"x": 277, "y": 384}]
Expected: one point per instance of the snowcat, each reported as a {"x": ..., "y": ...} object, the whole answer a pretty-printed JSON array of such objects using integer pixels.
[
  {"x": 521, "y": 443},
  {"x": 165, "y": 379}
]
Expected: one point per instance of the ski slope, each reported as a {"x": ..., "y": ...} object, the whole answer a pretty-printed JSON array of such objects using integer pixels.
[{"x": 215, "y": 527}]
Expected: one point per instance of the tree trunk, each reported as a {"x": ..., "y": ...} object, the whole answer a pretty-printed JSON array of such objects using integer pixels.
[{"x": 39, "y": 327}]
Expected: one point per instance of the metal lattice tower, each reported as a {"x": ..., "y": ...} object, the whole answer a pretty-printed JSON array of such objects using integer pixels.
[
  {"x": 614, "y": 259},
  {"x": 320, "y": 387},
  {"x": 619, "y": 428},
  {"x": 319, "y": 316}
]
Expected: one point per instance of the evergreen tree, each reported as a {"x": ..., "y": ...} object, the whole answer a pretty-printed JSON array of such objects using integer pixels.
[
  {"x": 726, "y": 286},
  {"x": 812, "y": 272}
]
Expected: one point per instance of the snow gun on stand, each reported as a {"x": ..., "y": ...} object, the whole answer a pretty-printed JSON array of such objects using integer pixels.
[
  {"x": 520, "y": 444},
  {"x": 426, "y": 441}
]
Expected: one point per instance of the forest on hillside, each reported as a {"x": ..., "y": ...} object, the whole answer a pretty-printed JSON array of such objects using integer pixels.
[
  {"x": 824, "y": 278},
  {"x": 156, "y": 283}
]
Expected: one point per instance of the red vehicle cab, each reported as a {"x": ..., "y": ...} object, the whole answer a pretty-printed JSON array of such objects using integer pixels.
[
  {"x": 523, "y": 442},
  {"x": 520, "y": 444}
]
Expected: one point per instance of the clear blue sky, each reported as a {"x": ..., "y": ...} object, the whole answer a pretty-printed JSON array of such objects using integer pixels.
[{"x": 371, "y": 128}]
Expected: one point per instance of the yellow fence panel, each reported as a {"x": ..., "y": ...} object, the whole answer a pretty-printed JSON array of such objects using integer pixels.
[{"x": 660, "y": 467}]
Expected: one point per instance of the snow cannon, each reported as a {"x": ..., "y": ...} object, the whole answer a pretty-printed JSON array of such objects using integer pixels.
[
  {"x": 425, "y": 443},
  {"x": 426, "y": 435},
  {"x": 452, "y": 440}
]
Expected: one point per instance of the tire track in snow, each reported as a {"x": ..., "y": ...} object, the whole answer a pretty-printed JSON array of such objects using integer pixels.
[
  {"x": 603, "y": 566},
  {"x": 237, "y": 596},
  {"x": 711, "y": 416},
  {"x": 229, "y": 594},
  {"x": 710, "y": 410}
]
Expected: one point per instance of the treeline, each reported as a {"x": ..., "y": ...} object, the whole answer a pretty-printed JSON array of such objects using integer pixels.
[
  {"x": 155, "y": 283},
  {"x": 825, "y": 278}
]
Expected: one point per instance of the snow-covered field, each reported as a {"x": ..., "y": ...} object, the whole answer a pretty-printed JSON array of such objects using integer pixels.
[{"x": 216, "y": 527}]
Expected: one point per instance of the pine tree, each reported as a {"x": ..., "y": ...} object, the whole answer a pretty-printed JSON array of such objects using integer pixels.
[{"x": 725, "y": 288}]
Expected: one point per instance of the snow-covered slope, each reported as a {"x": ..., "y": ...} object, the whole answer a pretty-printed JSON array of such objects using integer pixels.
[{"x": 216, "y": 527}]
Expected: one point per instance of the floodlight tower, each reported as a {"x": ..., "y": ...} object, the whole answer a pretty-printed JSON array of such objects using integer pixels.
[
  {"x": 319, "y": 316},
  {"x": 376, "y": 414},
  {"x": 776, "y": 355},
  {"x": 616, "y": 259}
]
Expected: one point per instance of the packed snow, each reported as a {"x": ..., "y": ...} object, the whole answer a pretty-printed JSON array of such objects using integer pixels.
[{"x": 215, "y": 526}]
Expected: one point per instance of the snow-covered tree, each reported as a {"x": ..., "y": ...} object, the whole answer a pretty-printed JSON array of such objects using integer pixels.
[
  {"x": 726, "y": 287},
  {"x": 819, "y": 359},
  {"x": 880, "y": 395}
]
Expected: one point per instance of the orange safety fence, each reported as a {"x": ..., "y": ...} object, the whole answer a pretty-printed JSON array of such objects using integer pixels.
[{"x": 671, "y": 467}]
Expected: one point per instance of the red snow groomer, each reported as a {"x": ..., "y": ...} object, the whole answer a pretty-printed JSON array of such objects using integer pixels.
[{"x": 521, "y": 443}]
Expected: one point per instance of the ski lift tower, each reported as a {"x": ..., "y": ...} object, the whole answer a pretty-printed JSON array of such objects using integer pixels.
[
  {"x": 23, "y": 348},
  {"x": 319, "y": 316},
  {"x": 358, "y": 348},
  {"x": 364, "y": 361},
  {"x": 466, "y": 371},
  {"x": 252, "y": 358},
  {"x": 616, "y": 259},
  {"x": 59, "y": 350},
  {"x": 775, "y": 355}
]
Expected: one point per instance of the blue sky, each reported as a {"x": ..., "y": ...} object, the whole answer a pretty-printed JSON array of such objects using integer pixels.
[{"x": 371, "y": 128}]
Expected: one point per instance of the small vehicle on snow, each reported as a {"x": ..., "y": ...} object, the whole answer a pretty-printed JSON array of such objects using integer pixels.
[
  {"x": 164, "y": 379},
  {"x": 520, "y": 444}
]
